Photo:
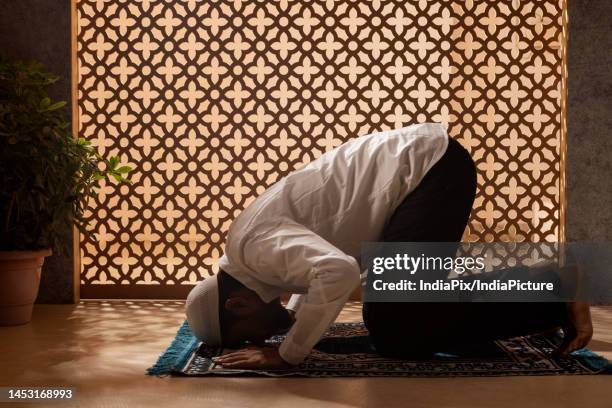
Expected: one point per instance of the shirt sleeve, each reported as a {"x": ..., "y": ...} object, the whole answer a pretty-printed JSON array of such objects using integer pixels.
[
  {"x": 295, "y": 301},
  {"x": 293, "y": 256}
]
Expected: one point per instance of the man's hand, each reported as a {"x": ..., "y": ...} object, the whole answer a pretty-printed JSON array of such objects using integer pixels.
[
  {"x": 578, "y": 329},
  {"x": 253, "y": 358}
]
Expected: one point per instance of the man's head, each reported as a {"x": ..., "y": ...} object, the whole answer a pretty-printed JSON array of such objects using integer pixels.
[{"x": 221, "y": 310}]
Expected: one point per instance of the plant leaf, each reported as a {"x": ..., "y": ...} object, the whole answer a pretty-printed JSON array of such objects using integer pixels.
[{"x": 124, "y": 169}]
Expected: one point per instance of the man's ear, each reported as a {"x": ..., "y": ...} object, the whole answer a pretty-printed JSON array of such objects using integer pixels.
[{"x": 240, "y": 306}]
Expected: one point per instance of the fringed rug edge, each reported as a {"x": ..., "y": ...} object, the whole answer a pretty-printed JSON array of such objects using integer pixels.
[{"x": 181, "y": 349}]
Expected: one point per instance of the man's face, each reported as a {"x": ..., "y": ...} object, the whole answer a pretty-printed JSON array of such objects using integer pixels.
[{"x": 257, "y": 324}]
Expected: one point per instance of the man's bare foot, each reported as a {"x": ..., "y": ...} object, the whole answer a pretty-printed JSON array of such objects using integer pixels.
[{"x": 578, "y": 328}]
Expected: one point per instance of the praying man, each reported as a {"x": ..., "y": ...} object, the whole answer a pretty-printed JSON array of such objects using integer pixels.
[{"x": 302, "y": 236}]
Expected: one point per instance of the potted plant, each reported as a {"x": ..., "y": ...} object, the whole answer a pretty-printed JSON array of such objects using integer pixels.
[{"x": 46, "y": 179}]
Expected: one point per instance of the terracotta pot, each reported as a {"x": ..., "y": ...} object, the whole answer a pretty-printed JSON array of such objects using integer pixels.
[{"x": 19, "y": 280}]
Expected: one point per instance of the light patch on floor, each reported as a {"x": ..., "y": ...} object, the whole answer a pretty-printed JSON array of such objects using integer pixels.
[{"x": 102, "y": 348}]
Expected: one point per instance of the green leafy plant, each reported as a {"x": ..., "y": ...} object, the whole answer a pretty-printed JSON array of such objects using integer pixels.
[{"x": 46, "y": 175}]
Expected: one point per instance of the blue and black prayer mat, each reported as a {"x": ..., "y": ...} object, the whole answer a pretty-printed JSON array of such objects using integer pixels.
[{"x": 345, "y": 351}]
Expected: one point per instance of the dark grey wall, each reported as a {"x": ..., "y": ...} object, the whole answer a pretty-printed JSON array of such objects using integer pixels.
[
  {"x": 40, "y": 29},
  {"x": 589, "y": 164}
]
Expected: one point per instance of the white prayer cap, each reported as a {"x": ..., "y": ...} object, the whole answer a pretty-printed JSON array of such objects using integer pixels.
[{"x": 202, "y": 309}]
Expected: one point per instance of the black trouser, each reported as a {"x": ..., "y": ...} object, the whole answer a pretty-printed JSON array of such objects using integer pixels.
[{"x": 437, "y": 210}]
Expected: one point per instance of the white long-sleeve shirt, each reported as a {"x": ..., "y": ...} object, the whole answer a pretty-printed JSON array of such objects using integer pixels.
[{"x": 303, "y": 235}]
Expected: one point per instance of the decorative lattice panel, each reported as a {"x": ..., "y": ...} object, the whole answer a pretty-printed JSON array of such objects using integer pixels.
[{"x": 213, "y": 101}]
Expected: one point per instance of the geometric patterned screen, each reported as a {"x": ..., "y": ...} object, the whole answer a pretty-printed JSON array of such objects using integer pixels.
[{"x": 211, "y": 102}]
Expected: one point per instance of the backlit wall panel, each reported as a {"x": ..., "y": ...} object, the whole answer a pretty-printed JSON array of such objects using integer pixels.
[{"x": 213, "y": 101}]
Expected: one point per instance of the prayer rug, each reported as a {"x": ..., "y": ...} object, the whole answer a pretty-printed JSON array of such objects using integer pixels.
[{"x": 345, "y": 351}]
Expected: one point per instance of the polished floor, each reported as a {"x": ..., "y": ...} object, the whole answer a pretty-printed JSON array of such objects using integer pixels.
[{"x": 102, "y": 348}]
